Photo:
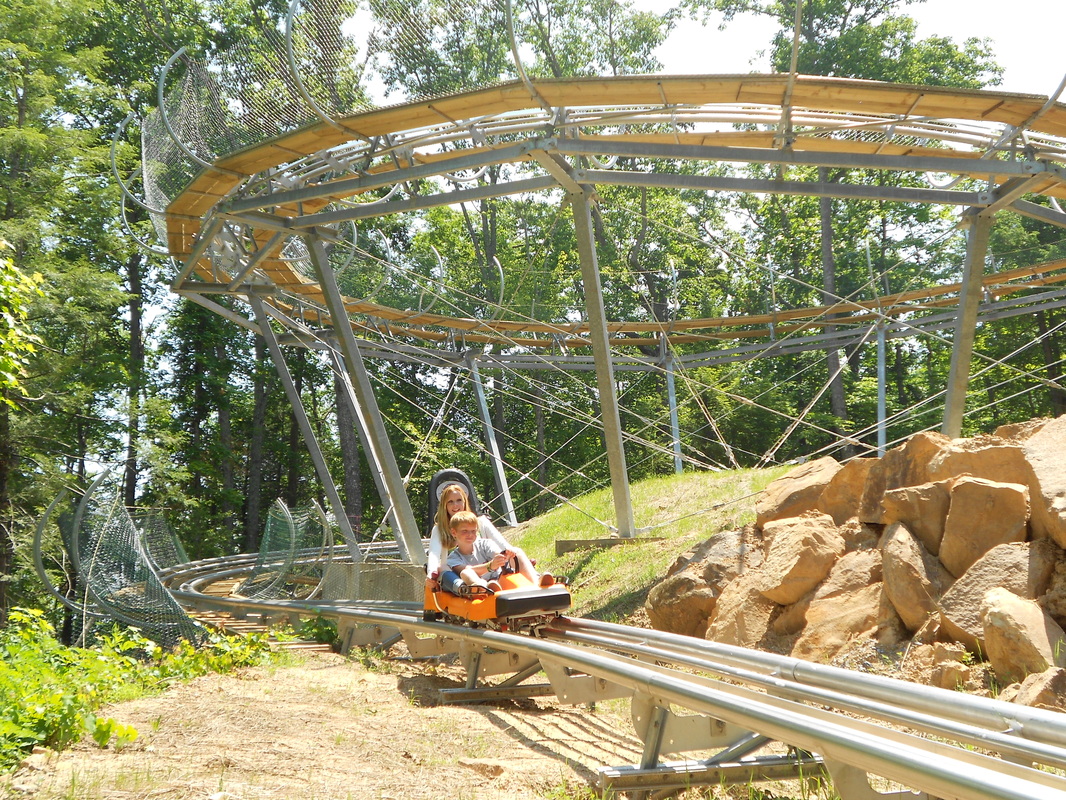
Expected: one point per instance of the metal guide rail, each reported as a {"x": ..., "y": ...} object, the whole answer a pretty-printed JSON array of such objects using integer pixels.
[{"x": 694, "y": 696}]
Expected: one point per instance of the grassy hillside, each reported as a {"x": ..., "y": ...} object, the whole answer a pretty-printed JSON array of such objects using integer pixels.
[{"x": 673, "y": 514}]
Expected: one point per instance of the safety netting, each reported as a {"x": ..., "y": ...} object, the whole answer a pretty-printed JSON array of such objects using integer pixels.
[
  {"x": 331, "y": 59},
  {"x": 115, "y": 581},
  {"x": 294, "y": 550}
]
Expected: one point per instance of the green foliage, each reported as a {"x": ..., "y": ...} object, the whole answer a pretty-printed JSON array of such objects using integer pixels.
[
  {"x": 17, "y": 341},
  {"x": 319, "y": 629},
  {"x": 49, "y": 693}
]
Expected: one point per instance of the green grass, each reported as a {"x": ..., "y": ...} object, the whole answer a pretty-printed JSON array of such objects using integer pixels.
[
  {"x": 49, "y": 693},
  {"x": 672, "y": 515}
]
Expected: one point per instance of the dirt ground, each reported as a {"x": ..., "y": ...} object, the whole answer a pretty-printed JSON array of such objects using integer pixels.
[{"x": 332, "y": 727}]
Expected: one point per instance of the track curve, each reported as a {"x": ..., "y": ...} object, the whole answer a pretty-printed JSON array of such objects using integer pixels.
[{"x": 689, "y": 694}]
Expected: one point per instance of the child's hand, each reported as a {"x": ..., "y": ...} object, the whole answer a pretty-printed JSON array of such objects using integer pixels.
[{"x": 499, "y": 560}]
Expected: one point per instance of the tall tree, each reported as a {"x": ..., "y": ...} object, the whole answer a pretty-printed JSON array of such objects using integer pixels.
[{"x": 850, "y": 38}]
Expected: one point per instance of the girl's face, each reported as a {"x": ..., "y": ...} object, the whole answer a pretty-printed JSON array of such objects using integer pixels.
[{"x": 453, "y": 501}]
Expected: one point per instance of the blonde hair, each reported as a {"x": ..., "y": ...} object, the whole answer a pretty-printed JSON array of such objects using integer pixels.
[
  {"x": 461, "y": 517},
  {"x": 441, "y": 518}
]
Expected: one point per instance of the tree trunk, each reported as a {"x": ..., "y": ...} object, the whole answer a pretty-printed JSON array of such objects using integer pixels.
[
  {"x": 7, "y": 549},
  {"x": 254, "y": 492},
  {"x": 227, "y": 507},
  {"x": 136, "y": 381}
]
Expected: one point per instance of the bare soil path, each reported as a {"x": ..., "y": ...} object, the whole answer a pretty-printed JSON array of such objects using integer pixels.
[{"x": 330, "y": 727}]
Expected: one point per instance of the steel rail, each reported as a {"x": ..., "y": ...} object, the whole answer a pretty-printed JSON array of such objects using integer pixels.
[
  {"x": 1005, "y": 742},
  {"x": 943, "y": 770},
  {"x": 611, "y": 651},
  {"x": 1023, "y": 721}
]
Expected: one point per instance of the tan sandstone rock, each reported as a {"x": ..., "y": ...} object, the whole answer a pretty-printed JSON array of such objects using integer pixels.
[
  {"x": 849, "y": 604},
  {"x": 854, "y": 571},
  {"x": 742, "y": 614},
  {"x": 982, "y": 457},
  {"x": 1053, "y": 600},
  {"x": 842, "y": 496},
  {"x": 983, "y": 514},
  {"x": 835, "y": 621},
  {"x": 1020, "y": 637},
  {"x": 1020, "y": 431},
  {"x": 1043, "y": 690},
  {"x": 681, "y": 604},
  {"x": 906, "y": 465},
  {"x": 1024, "y": 568},
  {"x": 923, "y": 509},
  {"x": 953, "y": 675},
  {"x": 797, "y": 492},
  {"x": 913, "y": 578},
  {"x": 684, "y": 601},
  {"x": 859, "y": 535},
  {"x": 1044, "y": 452},
  {"x": 800, "y": 552}
]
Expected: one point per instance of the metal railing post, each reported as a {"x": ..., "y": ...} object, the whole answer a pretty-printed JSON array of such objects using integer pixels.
[
  {"x": 407, "y": 538},
  {"x": 966, "y": 324},
  {"x": 328, "y": 486}
]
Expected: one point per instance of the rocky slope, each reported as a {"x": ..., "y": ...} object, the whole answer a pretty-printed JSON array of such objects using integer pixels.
[{"x": 945, "y": 556}]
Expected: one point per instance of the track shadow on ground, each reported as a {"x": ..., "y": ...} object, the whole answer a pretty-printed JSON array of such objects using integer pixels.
[{"x": 574, "y": 736}]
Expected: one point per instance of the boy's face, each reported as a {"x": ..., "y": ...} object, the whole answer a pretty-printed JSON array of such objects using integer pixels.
[{"x": 465, "y": 533}]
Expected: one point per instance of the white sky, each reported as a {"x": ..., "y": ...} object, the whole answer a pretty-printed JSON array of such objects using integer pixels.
[{"x": 1026, "y": 35}]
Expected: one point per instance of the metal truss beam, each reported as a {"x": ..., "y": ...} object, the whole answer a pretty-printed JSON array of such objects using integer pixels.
[
  {"x": 406, "y": 532},
  {"x": 417, "y": 203},
  {"x": 1003, "y": 196},
  {"x": 714, "y": 183},
  {"x": 364, "y": 183},
  {"x": 313, "y": 448},
  {"x": 612, "y": 421},
  {"x": 706, "y": 183},
  {"x": 810, "y": 158},
  {"x": 800, "y": 158},
  {"x": 1036, "y": 211}
]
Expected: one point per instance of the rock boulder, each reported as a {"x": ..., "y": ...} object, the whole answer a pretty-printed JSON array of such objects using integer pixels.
[
  {"x": 800, "y": 552},
  {"x": 1024, "y": 568},
  {"x": 982, "y": 514},
  {"x": 1020, "y": 637},
  {"x": 797, "y": 492}
]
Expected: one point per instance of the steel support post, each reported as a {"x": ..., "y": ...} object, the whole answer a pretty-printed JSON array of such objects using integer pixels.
[
  {"x": 406, "y": 531},
  {"x": 490, "y": 441},
  {"x": 612, "y": 421},
  {"x": 675, "y": 427},
  {"x": 966, "y": 324},
  {"x": 328, "y": 486},
  {"x": 881, "y": 388},
  {"x": 361, "y": 427}
]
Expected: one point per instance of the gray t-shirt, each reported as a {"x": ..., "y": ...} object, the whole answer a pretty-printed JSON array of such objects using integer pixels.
[{"x": 484, "y": 550}]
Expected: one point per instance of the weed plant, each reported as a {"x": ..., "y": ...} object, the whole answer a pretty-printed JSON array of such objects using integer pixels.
[{"x": 49, "y": 693}]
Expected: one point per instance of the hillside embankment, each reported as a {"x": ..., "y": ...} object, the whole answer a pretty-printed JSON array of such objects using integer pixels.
[{"x": 942, "y": 562}]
